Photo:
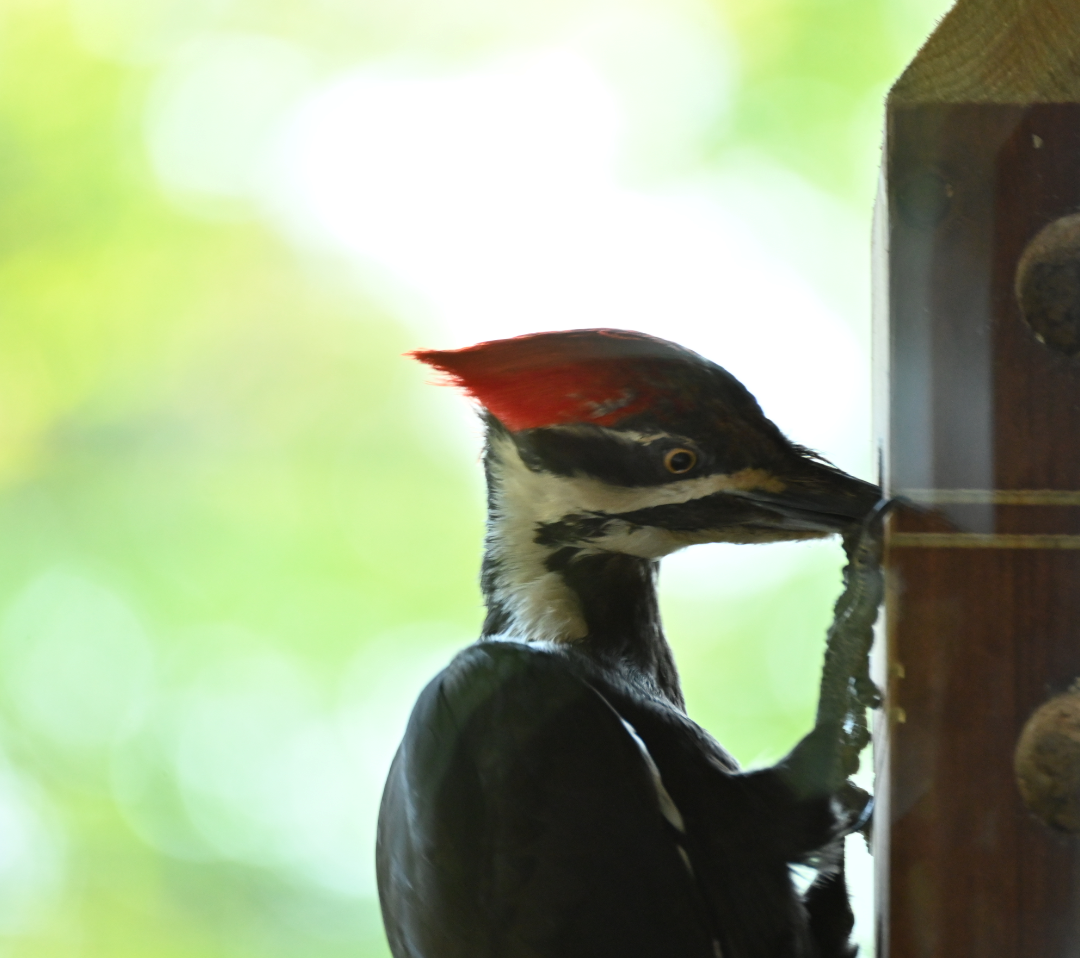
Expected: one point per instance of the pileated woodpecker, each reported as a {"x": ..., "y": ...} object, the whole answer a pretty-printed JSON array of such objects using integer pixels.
[{"x": 551, "y": 798}]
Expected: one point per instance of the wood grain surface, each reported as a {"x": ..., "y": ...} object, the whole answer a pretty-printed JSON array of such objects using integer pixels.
[
  {"x": 998, "y": 51},
  {"x": 982, "y": 426}
]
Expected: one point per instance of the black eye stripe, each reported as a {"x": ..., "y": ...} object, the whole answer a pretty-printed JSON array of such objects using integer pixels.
[
  {"x": 718, "y": 510},
  {"x": 625, "y": 459}
]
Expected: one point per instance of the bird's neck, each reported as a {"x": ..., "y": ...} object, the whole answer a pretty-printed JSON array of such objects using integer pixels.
[{"x": 601, "y": 604}]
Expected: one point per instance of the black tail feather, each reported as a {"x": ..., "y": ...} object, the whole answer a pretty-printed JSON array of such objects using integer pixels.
[{"x": 831, "y": 917}]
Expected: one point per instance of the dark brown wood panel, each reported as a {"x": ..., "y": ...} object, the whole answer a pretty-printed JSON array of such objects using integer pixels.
[
  {"x": 1036, "y": 390},
  {"x": 977, "y": 638}
]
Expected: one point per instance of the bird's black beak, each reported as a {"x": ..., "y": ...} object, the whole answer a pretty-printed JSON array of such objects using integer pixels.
[
  {"x": 802, "y": 498},
  {"x": 815, "y": 497}
]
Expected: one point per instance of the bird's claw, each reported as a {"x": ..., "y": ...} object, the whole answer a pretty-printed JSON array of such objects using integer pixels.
[{"x": 853, "y": 807}]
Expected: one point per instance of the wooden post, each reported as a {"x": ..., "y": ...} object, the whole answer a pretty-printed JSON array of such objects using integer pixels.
[{"x": 978, "y": 417}]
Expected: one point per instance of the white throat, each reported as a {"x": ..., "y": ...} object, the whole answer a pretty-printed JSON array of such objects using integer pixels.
[{"x": 541, "y": 605}]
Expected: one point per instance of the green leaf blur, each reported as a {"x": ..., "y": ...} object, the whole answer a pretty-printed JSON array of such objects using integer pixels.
[{"x": 237, "y": 531}]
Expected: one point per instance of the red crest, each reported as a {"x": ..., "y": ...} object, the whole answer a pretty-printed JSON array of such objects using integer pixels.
[{"x": 596, "y": 376}]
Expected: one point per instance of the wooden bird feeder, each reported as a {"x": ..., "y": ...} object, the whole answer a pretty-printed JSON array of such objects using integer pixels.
[{"x": 977, "y": 397}]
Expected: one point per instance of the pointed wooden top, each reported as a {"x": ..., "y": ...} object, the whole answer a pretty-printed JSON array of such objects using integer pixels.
[{"x": 998, "y": 51}]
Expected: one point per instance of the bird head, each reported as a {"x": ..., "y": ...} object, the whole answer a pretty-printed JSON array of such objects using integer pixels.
[{"x": 623, "y": 442}]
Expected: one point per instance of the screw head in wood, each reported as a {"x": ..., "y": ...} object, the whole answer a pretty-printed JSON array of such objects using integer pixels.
[
  {"x": 1047, "y": 762},
  {"x": 1048, "y": 285}
]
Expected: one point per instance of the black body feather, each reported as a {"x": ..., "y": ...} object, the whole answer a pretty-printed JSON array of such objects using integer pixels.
[{"x": 521, "y": 820}]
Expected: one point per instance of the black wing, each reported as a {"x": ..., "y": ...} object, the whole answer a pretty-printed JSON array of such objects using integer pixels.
[{"x": 521, "y": 818}]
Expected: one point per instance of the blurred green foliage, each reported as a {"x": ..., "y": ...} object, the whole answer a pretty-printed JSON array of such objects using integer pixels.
[{"x": 236, "y": 532}]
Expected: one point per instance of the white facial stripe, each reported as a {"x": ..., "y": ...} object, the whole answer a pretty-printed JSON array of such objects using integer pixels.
[
  {"x": 653, "y": 542},
  {"x": 644, "y": 438},
  {"x": 543, "y": 607},
  {"x": 553, "y": 497}
]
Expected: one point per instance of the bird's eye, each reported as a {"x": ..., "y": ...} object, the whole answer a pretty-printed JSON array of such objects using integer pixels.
[{"x": 680, "y": 460}]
